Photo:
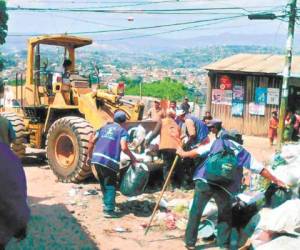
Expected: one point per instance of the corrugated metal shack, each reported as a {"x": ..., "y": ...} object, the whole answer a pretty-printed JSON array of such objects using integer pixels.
[{"x": 244, "y": 89}]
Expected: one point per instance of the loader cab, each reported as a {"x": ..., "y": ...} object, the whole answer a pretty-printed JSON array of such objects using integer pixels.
[{"x": 48, "y": 76}]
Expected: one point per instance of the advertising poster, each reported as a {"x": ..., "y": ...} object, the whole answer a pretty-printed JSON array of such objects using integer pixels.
[
  {"x": 273, "y": 96},
  {"x": 237, "y": 109},
  {"x": 217, "y": 96},
  {"x": 228, "y": 97},
  {"x": 261, "y": 95},
  {"x": 238, "y": 93},
  {"x": 221, "y": 96},
  {"x": 256, "y": 109}
]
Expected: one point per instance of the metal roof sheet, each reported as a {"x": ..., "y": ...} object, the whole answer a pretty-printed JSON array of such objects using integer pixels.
[
  {"x": 61, "y": 40},
  {"x": 255, "y": 63}
]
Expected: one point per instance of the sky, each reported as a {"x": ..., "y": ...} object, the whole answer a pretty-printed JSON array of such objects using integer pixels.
[{"x": 31, "y": 23}]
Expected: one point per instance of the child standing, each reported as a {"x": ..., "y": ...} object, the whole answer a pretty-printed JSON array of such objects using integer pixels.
[{"x": 273, "y": 126}]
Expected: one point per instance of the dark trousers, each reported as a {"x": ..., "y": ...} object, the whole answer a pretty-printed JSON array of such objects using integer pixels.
[
  {"x": 203, "y": 193},
  {"x": 108, "y": 182},
  {"x": 168, "y": 156}
]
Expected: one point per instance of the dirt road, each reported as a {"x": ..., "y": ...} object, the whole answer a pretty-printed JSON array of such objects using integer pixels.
[{"x": 69, "y": 216}]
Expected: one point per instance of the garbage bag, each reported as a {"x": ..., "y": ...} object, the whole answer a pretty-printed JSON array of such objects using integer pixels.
[
  {"x": 281, "y": 243},
  {"x": 137, "y": 135},
  {"x": 275, "y": 196},
  {"x": 135, "y": 180},
  {"x": 283, "y": 219}
]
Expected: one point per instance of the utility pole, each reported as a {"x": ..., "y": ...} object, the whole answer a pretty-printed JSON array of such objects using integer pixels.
[
  {"x": 292, "y": 13},
  {"x": 287, "y": 69}
]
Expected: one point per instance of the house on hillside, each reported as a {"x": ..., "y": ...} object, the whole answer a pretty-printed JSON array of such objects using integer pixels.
[{"x": 244, "y": 89}]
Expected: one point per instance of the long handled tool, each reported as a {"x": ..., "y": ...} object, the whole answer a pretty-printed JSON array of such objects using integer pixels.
[{"x": 162, "y": 193}]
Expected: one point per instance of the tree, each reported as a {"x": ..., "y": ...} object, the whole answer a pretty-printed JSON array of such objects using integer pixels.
[
  {"x": 165, "y": 89},
  {"x": 3, "y": 26}
]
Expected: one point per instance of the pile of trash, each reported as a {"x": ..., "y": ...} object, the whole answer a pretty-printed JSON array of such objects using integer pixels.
[{"x": 278, "y": 218}]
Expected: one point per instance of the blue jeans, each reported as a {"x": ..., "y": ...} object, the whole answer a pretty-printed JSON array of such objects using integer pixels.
[
  {"x": 203, "y": 193},
  {"x": 108, "y": 182}
]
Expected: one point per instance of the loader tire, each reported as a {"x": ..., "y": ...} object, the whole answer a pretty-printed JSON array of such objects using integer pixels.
[
  {"x": 18, "y": 125},
  {"x": 66, "y": 148}
]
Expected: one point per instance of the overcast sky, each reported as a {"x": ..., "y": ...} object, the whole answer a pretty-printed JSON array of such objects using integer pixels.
[{"x": 22, "y": 22}]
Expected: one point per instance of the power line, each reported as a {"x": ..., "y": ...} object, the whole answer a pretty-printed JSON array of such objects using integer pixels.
[
  {"x": 141, "y": 28},
  {"x": 165, "y": 32},
  {"x": 120, "y": 11}
]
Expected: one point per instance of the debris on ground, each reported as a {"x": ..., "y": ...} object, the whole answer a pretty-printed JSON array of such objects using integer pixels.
[
  {"x": 90, "y": 192},
  {"x": 281, "y": 216},
  {"x": 122, "y": 230}
]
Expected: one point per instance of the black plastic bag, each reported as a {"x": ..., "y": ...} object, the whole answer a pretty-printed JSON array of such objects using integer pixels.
[
  {"x": 135, "y": 180},
  {"x": 275, "y": 196}
]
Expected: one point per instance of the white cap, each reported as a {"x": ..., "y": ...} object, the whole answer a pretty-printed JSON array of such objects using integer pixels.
[{"x": 180, "y": 112}]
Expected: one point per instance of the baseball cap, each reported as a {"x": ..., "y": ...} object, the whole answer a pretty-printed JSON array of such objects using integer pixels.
[
  {"x": 180, "y": 112},
  {"x": 120, "y": 117},
  {"x": 214, "y": 122}
]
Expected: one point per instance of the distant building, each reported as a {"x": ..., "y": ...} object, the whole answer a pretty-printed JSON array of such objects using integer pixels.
[{"x": 244, "y": 89}]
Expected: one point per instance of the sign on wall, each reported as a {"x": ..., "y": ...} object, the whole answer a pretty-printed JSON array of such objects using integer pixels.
[
  {"x": 221, "y": 96},
  {"x": 225, "y": 82},
  {"x": 238, "y": 93},
  {"x": 237, "y": 109},
  {"x": 273, "y": 96},
  {"x": 256, "y": 109},
  {"x": 261, "y": 95}
]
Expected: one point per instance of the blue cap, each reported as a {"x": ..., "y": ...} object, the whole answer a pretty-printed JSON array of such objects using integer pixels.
[
  {"x": 214, "y": 122},
  {"x": 120, "y": 116}
]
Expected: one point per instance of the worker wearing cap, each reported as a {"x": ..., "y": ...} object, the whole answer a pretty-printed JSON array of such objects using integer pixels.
[
  {"x": 197, "y": 134},
  {"x": 197, "y": 130},
  {"x": 156, "y": 113},
  {"x": 107, "y": 144},
  {"x": 223, "y": 194},
  {"x": 169, "y": 133}
]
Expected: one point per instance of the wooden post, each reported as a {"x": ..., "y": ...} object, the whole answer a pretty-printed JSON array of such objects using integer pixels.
[
  {"x": 287, "y": 69},
  {"x": 209, "y": 92}
]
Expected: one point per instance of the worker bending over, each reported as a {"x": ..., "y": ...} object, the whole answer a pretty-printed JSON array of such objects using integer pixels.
[
  {"x": 105, "y": 146},
  {"x": 209, "y": 183},
  {"x": 169, "y": 133}
]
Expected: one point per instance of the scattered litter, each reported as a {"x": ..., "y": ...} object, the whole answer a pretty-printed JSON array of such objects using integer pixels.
[
  {"x": 170, "y": 221},
  {"x": 206, "y": 229},
  {"x": 181, "y": 224},
  {"x": 163, "y": 203},
  {"x": 121, "y": 230},
  {"x": 210, "y": 208},
  {"x": 90, "y": 192},
  {"x": 73, "y": 192}
]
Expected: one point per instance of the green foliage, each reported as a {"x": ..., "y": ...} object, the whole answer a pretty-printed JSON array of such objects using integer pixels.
[
  {"x": 3, "y": 21},
  {"x": 129, "y": 82},
  {"x": 3, "y": 27},
  {"x": 165, "y": 89}
]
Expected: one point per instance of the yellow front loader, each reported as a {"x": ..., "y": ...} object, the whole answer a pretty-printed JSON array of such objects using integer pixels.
[{"x": 58, "y": 111}]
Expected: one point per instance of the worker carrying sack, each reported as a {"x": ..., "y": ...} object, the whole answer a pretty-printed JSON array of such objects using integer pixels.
[
  {"x": 135, "y": 180},
  {"x": 221, "y": 167}
]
